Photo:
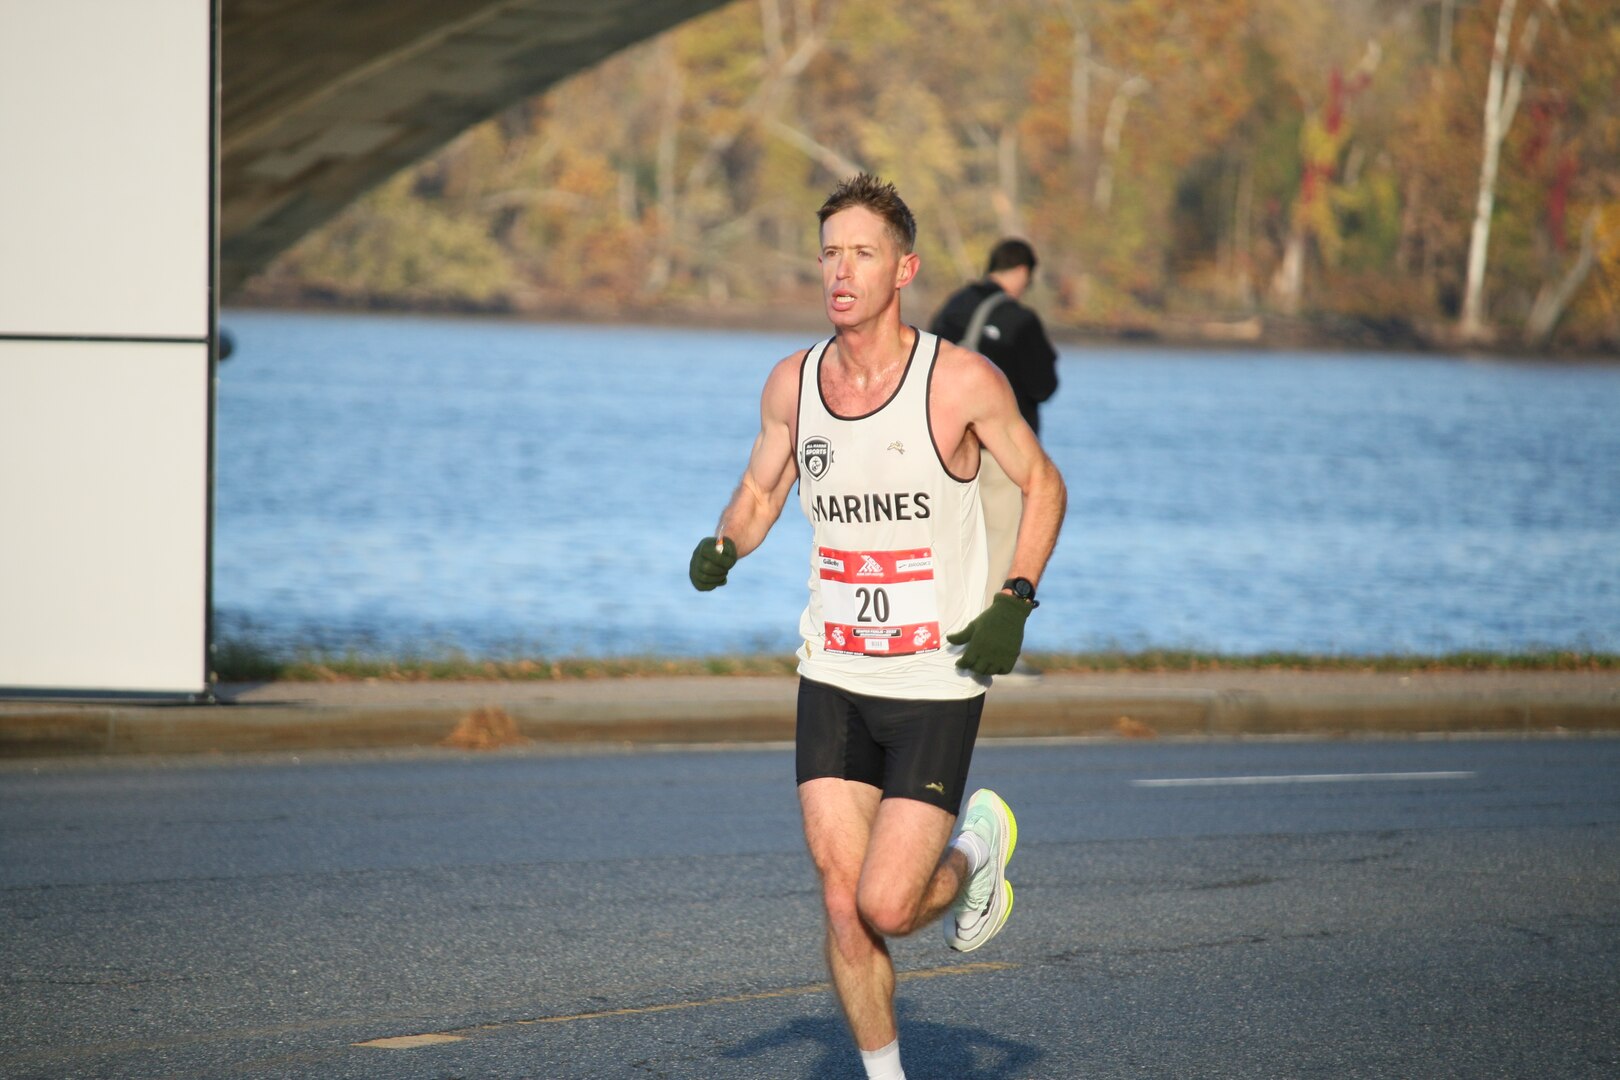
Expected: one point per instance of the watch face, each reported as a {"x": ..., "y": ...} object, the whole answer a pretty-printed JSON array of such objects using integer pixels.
[{"x": 1021, "y": 588}]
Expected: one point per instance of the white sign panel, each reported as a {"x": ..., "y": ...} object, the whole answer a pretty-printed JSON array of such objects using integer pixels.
[
  {"x": 106, "y": 317},
  {"x": 104, "y": 496},
  {"x": 105, "y": 110}
]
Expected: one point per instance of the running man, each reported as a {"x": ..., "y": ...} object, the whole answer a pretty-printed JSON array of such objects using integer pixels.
[{"x": 882, "y": 427}]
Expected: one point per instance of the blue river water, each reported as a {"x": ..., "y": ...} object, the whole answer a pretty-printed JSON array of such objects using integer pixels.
[{"x": 417, "y": 485}]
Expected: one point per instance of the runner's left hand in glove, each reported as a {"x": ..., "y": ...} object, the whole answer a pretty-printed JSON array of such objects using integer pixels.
[
  {"x": 995, "y": 638},
  {"x": 711, "y": 562}
]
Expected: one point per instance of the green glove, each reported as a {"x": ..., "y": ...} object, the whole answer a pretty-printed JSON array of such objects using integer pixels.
[
  {"x": 710, "y": 565},
  {"x": 995, "y": 638}
]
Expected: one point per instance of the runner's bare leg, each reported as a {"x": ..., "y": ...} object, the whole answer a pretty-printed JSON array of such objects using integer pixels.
[{"x": 885, "y": 870}]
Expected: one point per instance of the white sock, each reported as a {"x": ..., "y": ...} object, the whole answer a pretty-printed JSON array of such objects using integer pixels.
[
  {"x": 883, "y": 1063},
  {"x": 974, "y": 848}
]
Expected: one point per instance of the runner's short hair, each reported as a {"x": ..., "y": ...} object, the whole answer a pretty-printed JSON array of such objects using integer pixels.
[
  {"x": 878, "y": 196},
  {"x": 1010, "y": 254}
]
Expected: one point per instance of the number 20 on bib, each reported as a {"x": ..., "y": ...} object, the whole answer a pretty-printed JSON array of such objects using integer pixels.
[{"x": 879, "y": 603}]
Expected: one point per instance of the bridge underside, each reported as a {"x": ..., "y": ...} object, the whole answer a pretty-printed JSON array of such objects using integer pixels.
[{"x": 324, "y": 99}]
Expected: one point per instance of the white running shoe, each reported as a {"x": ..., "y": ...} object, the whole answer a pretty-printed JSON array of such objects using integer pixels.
[{"x": 980, "y": 912}]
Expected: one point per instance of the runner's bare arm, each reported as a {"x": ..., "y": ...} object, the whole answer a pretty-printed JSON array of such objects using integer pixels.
[
  {"x": 987, "y": 406},
  {"x": 772, "y": 470}
]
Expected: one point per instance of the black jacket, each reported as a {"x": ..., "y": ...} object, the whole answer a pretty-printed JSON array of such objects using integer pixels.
[{"x": 1013, "y": 339}]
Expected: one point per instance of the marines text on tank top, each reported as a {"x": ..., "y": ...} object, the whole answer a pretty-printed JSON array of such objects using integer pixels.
[{"x": 897, "y": 554}]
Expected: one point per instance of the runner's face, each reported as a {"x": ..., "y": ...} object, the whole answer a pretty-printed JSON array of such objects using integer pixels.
[{"x": 862, "y": 270}]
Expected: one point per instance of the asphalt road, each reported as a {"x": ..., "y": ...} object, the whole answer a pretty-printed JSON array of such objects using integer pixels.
[{"x": 1295, "y": 910}]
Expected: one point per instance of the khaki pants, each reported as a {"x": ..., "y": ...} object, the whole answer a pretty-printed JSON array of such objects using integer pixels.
[{"x": 1003, "y": 506}]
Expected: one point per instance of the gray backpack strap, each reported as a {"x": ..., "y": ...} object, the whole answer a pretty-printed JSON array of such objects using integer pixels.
[{"x": 981, "y": 315}]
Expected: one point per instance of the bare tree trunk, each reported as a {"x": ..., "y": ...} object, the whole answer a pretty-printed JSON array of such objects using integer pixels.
[
  {"x": 1080, "y": 100},
  {"x": 1502, "y": 92},
  {"x": 965, "y": 268},
  {"x": 1241, "y": 274},
  {"x": 1412, "y": 210},
  {"x": 1080, "y": 67},
  {"x": 1554, "y": 298},
  {"x": 628, "y": 211},
  {"x": 1005, "y": 197},
  {"x": 1113, "y": 132},
  {"x": 1326, "y": 133},
  {"x": 1288, "y": 283},
  {"x": 770, "y": 17},
  {"x": 662, "y": 267}
]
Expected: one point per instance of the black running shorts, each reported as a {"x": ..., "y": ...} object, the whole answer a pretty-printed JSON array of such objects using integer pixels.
[{"x": 910, "y": 749}]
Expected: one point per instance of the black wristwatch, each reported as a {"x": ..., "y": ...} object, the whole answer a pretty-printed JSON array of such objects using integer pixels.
[{"x": 1022, "y": 588}]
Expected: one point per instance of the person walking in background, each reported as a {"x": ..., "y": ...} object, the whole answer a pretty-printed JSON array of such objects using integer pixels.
[
  {"x": 987, "y": 317},
  {"x": 886, "y": 430}
]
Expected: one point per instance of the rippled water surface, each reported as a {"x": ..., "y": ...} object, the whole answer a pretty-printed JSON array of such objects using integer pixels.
[{"x": 394, "y": 483}]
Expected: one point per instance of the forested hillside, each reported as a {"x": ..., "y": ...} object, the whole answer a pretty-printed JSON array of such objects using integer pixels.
[{"x": 1373, "y": 171}]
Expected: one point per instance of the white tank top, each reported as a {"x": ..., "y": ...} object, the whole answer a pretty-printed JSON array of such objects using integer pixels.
[{"x": 897, "y": 555}]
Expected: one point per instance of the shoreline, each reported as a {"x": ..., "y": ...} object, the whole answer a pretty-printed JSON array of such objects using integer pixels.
[
  {"x": 244, "y": 662},
  {"x": 1212, "y": 332}
]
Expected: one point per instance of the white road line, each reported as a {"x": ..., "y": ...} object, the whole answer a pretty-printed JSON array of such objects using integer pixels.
[{"x": 1307, "y": 778}]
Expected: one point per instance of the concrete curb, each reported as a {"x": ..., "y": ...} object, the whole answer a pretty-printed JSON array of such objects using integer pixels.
[
  {"x": 1233, "y": 713},
  {"x": 300, "y": 717}
]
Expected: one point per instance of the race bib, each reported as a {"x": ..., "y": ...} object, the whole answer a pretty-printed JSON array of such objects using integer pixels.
[{"x": 879, "y": 603}]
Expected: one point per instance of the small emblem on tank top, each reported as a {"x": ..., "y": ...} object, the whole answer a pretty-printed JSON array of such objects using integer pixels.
[
  {"x": 898, "y": 447},
  {"x": 817, "y": 456}
]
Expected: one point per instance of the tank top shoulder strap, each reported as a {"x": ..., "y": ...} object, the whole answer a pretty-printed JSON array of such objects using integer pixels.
[
  {"x": 812, "y": 358},
  {"x": 810, "y": 372},
  {"x": 920, "y": 372}
]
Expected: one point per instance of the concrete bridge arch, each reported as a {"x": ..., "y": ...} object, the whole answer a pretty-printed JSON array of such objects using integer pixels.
[{"x": 323, "y": 99}]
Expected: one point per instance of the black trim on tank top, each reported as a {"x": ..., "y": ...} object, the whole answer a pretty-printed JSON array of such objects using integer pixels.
[
  {"x": 904, "y": 375},
  {"x": 928, "y": 418},
  {"x": 798, "y": 403}
]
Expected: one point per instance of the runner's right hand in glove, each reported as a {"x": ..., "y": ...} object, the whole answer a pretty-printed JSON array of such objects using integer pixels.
[{"x": 711, "y": 562}]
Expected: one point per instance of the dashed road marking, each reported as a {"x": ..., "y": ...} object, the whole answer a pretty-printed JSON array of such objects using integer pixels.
[
  {"x": 1303, "y": 778},
  {"x": 411, "y": 1042}
]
